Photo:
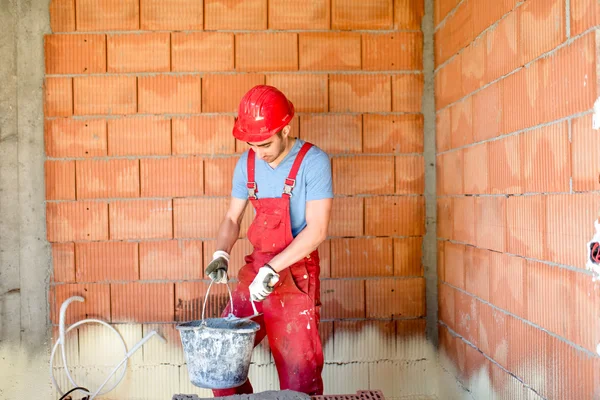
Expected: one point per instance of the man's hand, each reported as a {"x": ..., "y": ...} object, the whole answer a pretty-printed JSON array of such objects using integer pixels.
[
  {"x": 263, "y": 283},
  {"x": 217, "y": 269}
]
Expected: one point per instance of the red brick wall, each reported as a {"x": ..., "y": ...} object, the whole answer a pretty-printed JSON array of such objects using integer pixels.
[
  {"x": 140, "y": 98},
  {"x": 517, "y": 192}
]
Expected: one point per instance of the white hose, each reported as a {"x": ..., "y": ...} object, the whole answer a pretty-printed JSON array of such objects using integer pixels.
[{"x": 61, "y": 341}]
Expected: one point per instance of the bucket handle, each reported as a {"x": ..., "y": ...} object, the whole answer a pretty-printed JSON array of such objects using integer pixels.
[{"x": 206, "y": 298}]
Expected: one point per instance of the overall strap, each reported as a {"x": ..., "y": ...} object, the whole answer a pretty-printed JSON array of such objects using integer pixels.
[
  {"x": 290, "y": 181},
  {"x": 251, "y": 184}
]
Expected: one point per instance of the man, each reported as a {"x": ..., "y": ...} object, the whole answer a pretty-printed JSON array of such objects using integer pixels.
[{"x": 288, "y": 181}]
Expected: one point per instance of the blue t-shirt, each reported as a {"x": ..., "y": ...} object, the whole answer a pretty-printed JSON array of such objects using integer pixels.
[{"x": 313, "y": 181}]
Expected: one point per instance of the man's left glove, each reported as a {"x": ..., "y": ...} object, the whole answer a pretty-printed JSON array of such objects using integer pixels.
[
  {"x": 263, "y": 283},
  {"x": 217, "y": 268}
]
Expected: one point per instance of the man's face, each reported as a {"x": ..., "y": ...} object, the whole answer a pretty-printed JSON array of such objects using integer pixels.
[{"x": 268, "y": 150}]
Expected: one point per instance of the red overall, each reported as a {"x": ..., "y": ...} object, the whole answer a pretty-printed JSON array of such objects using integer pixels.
[{"x": 291, "y": 313}]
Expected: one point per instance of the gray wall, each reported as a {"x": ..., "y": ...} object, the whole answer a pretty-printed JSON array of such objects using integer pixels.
[{"x": 24, "y": 252}]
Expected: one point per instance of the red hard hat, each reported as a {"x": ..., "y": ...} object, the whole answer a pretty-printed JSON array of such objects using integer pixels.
[{"x": 263, "y": 112}]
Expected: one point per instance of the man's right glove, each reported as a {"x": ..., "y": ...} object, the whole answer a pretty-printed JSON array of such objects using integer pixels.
[{"x": 217, "y": 268}]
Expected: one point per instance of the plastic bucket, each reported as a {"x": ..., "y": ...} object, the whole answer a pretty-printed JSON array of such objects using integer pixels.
[{"x": 218, "y": 351}]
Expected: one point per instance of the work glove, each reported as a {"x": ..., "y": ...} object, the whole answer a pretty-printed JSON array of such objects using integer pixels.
[
  {"x": 263, "y": 283},
  {"x": 217, "y": 268}
]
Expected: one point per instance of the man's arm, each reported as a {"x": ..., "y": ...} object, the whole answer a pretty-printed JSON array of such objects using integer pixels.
[
  {"x": 315, "y": 232},
  {"x": 229, "y": 230}
]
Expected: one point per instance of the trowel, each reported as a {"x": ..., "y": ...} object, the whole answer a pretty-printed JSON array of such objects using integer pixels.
[{"x": 272, "y": 283}]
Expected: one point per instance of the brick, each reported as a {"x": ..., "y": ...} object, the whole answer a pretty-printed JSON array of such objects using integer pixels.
[
  {"x": 507, "y": 283},
  {"x": 189, "y": 300},
  {"x": 567, "y": 73},
  {"x": 477, "y": 272},
  {"x": 394, "y": 216},
  {"x": 346, "y": 216},
  {"x": 442, "y": 9},
  {"x": 106, "y": 261},
  {"x": 241, "y": 248},
  {"x": 107, "y": 15},
  {"x": 584, "y": 307},
  {"x": 201, "y": 217},
  {"x": 489, "y": 13},
  {"x": 584, "y": 15},
  {"x": 585, "y": 145},
  {"x": 299, "y": 14},
  {"x": 456, "y": 33},
  {"x": 329, "y": 51},
  {"x": 222, "y": 93},
  {"x": 218, "y": 174},
  {"x": 476, "y": 163},
  {"x": 450, "y": 172},
  {"x": 466, "y": 317},
  {"x": 139, "y": 52},
  {"x": 354, "y": 175},
  {"x": 504, "y": 166},
  {"x": 569, "y": 220},
  {"x": 487, "y": 113},
  {"x": 139, "y": 136},
  {"x": 59, "y": 177},
  {"x": 353, "y": 293},
  {"x": 392, "y": 51},
  {"x": 445, "y": 218},
  {"x": 308, "y": 93},
  {"x": 107, "y": 178},
  {"x": 333, "y": 133},
  {"x": 171, "y": 259},
  {"x": 96, "y": 302},
  {"x": 160, "y": 15},
  {"x": 443, "y": 130},
  {"x": 169, "y": 94},
  {"x": 407, "y": 256},
  {"x": 105, "y": 95},
  {"x": 490, "y": 223},
  {"x": 473, "y": 65},
  {"x": 361, "y": 257},
  {"x": 141, "y": 219},
  {"x": 541, "y": 28},
  {"x": 410, "y": 175},
  {"x": 203, "y": 134},
  {"x": 363, "y": 340},
  {"x": 62, "y": 15},
  {"x": 58, "y": 97},
  {"x": 360, "y": 93},
  {"x": 446, "y": 305},
  {"x": 407, "y": 92},
  {"x": 63, "y": 262},
  {"x": 548, "y": 299},
  {"x": 355, "y": 14},
  {"x": 546, "y": 155},
  {"x": 461, "y": 115},
  {"x": 526, "y": 226},
  {"x": 408, "y": 14},
  {"x": 235, "y": 15},
  {"x": 503, "y": 48},
  {"x": 142, "y": 302},
  {"x": 393, "y": 298},
  {"x": 393, "y": 133},
  {"x": 75, "y": 54},
  {"x": 448, "y": 85},
  {"x": 76, "y": 221},
  {"x": 171, "y": 177},
  {"x": 202, "y": 51},
  {"x": 75, "y": 138},
  {"x": 276, "y": 51},
  {"x": 454, "y": 264},
  {"x": 324, "y": 250},
  {"x": 464, "y": 219}
]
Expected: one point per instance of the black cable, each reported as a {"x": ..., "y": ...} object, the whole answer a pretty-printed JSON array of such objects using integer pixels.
[{"x": 72, "y": 390}]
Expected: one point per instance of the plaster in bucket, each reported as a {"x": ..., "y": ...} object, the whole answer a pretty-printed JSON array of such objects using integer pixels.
[{"x": 218, "y": 351}]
